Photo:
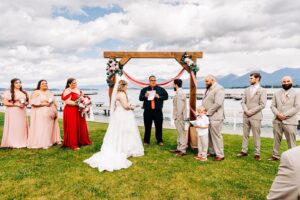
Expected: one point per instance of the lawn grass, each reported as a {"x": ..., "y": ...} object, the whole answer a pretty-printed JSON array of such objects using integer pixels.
[{"x": 59, "y": 173}]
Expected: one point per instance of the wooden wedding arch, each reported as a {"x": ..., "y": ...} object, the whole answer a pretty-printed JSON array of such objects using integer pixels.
[{"x": 126, "y": 56}]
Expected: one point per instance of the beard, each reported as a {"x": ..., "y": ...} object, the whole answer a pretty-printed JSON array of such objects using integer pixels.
[
  {"x": 287, "y": 86},
  {"x": 208, "y": 86}
]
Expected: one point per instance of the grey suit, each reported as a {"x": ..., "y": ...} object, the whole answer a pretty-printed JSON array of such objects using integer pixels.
[
  {"x": 289, "y": 105},
  {"x": 287, "y": 182},
  {"x": 254, "y": 104},
  {"x": 213, "y": 102},
  {"x": 179, "y": 115}
]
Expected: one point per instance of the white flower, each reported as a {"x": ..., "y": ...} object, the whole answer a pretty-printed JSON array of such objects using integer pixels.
[{"x": 81, "y": 105}]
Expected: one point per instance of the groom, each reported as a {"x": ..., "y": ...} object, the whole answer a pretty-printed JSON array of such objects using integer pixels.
[{"x": 153, "y": 97}]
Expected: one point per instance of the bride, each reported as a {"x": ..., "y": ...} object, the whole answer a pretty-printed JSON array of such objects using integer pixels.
[{"x": 122, "y": 138}]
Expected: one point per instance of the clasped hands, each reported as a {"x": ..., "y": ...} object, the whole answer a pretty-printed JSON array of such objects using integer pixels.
[{"x": 281, "y": 116}]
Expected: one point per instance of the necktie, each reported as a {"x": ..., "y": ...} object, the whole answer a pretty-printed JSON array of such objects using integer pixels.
[{"x": 153, "y": 103}]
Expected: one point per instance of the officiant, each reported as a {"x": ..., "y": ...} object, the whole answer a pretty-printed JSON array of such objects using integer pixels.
[{"x": 153, "y": 97}]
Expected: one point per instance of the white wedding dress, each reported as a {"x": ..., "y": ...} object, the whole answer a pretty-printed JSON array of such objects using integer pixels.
[{"x": 122, "y": 138}]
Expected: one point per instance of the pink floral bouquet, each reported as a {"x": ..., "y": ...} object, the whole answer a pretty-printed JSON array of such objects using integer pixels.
[{"x": 84, "y": 104}]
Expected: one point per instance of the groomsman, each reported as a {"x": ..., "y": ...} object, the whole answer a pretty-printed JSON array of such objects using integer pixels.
[
  {"x": 179, "y": 115},
  {"x": 153, "y": 110},
  {"x": 213, "y": 102},
  {"x": 285, "y": 106},
  {"x": 254, "y": 101},
  {"x": 286, "y": 184}
]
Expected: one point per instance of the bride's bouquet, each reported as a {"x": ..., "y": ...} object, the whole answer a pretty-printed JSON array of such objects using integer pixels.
[{"x": 84, "y": 105}]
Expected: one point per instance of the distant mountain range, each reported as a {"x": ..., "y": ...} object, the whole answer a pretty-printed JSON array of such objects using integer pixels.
[
  {"x": 234, "y": 81},
  {"x": 268, "y": 79},
  {"x": 228, "y": 81}
]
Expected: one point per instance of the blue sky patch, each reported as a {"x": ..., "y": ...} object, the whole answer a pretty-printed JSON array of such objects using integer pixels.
[{"x": 92, "y": 13}]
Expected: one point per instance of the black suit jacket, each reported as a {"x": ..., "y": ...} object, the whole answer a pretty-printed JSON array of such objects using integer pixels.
[{"x": 159, "y": 102}]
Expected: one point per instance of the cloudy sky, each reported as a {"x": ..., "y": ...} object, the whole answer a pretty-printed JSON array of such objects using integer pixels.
[{"x": 57, "y": 39}]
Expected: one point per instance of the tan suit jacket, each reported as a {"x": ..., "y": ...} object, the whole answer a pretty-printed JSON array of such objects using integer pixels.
[
  {"x": 287, "y": 182},
  {"x": 213, "y": 102},
  {"x": 255, "y": 103},
  {"x": 179, "y": 105},
  {"x": 289, "y": 106}
]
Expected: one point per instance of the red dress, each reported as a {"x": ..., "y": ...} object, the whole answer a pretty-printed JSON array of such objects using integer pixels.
[{"x": 75, "y": 128}]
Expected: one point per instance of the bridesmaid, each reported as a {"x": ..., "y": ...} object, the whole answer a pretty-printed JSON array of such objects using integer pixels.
[
  {"x": 75, "y": 128},
  {"x": 15, "y": 130},
  {"x": 44, "y": 129}
]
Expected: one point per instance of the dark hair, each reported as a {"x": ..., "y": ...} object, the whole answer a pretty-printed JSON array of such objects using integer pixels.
[
  {"x": 69, "y": 81},
  {"x": 152, "y": 76},
  {"x": 38, "y": 87},
  {"x": 178, "y": 82},
  {"x": 12, "y": 89},
  {"x": 256, "y": 75}
]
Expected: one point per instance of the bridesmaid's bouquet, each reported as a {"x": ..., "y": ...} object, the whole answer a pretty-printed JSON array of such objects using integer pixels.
[{"x": 84, "y": 105}]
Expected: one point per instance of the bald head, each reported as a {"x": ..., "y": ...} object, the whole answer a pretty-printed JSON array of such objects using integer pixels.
[
  {"x": 286, "y": 79},
  {"x": 210, "y": 77},
  {"x": 286, "y": 82},
  {"x": 210, "y": 80}
]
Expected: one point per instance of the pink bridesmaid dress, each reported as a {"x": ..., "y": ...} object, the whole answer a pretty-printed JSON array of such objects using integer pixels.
[
  {"x": 15, "y": 130},
  {"x": 44, "y": 129}
]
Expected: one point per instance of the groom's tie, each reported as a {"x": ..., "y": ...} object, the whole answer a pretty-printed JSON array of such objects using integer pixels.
[{"x": 153, "y": 103}]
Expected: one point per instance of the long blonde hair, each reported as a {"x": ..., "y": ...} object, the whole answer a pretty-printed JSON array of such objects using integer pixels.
[{"x": 121, "y": 87}]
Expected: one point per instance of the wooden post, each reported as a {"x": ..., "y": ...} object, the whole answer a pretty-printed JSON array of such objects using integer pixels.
[
  {"x": 193, "y": 100},
  {"x": 193, "y": 93}
]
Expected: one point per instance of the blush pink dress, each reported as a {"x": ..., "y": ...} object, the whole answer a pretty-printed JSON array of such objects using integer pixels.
[
  {"x": 15, "y": 130},
  {"x": 44, "y": 129}
]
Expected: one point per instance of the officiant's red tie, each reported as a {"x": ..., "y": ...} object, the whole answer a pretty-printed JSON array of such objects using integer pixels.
[{"x": 153, "y": 103}]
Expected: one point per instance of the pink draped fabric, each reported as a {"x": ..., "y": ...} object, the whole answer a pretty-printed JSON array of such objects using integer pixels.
[{"x": 143, "y": 84}]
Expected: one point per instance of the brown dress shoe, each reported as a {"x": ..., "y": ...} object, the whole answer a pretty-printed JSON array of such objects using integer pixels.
[
  {"x": 219, "y": 158},
  {"x": 180, "y": 154},
  {"x": 257, "y": 157},
  {"x": 242, "y": 154},
  {"x": 273, "y": 158},
  {"x": 174, "y": 151}
]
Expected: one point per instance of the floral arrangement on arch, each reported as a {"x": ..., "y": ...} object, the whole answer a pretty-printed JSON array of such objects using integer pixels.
[
  {"x": 187, "y": 59},
  {"x": 113, "y": 67}
]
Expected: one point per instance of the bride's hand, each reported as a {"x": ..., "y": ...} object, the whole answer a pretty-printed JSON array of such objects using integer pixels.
[{"x": 131, "y": 107}]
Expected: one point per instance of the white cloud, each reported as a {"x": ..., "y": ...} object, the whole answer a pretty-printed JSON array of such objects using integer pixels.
[{"x": 241, "y": 35}]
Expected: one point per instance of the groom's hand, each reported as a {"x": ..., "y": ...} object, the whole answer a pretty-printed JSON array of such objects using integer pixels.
[
  {"x": 146, "y": 94},
  {"x": 157, "y": 96}
]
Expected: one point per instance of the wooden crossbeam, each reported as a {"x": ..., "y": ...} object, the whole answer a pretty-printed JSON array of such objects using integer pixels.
[{"x": 157, "y": 54}]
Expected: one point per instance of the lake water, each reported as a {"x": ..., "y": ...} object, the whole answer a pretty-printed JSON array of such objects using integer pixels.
[{"x": 233, "y": 111}]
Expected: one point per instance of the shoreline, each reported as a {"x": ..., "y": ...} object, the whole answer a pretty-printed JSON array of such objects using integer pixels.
[{"x": 265, "y": 132}]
